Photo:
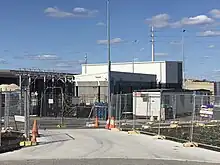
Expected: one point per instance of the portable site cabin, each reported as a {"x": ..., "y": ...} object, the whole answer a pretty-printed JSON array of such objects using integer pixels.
[{"x": 155, "y": 104}]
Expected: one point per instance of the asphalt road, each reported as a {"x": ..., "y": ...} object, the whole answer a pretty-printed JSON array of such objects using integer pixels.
[{"x": 88, "y": 147}]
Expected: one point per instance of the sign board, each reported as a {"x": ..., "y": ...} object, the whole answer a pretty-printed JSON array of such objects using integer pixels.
[
  {"x": 20, "y": 118},
  {"x": 50, "y": 101},
  {"x": 206, "y": 111}
]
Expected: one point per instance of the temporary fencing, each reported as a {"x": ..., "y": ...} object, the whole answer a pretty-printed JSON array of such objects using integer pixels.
[
  {"x": 122, "y": 107},
  {"x": 178, "y": 116}
]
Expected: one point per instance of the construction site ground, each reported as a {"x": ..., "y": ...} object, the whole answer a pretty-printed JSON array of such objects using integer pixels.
[{"x": 66, "y": 144}]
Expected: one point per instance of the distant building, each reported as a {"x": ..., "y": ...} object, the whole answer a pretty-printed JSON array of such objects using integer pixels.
[
  {"x": 168, "y": 73},
  {"x": 192, "y": 84},
  {"x": 94, "y": 87}
]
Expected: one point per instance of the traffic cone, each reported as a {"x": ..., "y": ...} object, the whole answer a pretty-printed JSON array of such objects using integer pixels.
[
  {"x": 112, "y": 123},
  {"x": 33, "y": 138},
  {"x": 107, "y": 124},
  {"x": 35, "y": 129},
  {"x": 96, "y": 122}
]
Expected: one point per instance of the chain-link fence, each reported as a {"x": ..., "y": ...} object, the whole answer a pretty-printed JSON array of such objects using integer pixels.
[
  {"x": 178, "y": 116},
  {"x": 10, "y": 106}
]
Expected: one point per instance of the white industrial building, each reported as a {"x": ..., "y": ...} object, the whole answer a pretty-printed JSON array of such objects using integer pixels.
[
  {"x": 168, "y": 73},
  {"x": 94, "y": 86}
]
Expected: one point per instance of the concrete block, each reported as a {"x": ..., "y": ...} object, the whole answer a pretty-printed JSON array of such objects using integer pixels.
[
  {"x": 115, "y": 129},
  {"x": 190, "y": 144},
  {"x": 28, "y": 143},
  {"x": 133, "y": 132},
  {"x": 174, "y": 126},
  {"x": 22, "y": 144},
  {"x": 159, "y": 137}
]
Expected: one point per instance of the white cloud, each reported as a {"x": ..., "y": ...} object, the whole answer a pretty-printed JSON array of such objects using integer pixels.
[
  {"x": 55, "y": 12},
  {"x": 161, "y": 54},
  {"x": 175, "y": 42},
  {"x": 159, "y": 21},
  {"x": 142, "y": 49},
  {"x": 63, "y": 65},
  {"x": 3, "y": 61},
  {"x": 113, "y": 41},
  {"x": 100, "y": 24},
  {"x": 42, "y": 57},
  {"x": 197, "y": 20},
  {"x": 215, "y": 13},
  {"x": 68, "y": 63},
  {"x": 209, "y": 33},
  {"x": 211, "y": 46},
  {"x": 76, "y": 12},
  {"x": 163, "y": 20}
]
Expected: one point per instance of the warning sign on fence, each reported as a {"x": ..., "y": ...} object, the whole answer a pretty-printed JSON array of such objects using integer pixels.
[{"x": 50, "y": 101}]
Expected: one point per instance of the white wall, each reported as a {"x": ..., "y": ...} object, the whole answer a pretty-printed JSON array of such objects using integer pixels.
[
  {"x": 117, "y": 76},
  {"x": 157, "y": 68},
  {"x": 151, "y": 108},
  {"x": 92, "y": 77}
]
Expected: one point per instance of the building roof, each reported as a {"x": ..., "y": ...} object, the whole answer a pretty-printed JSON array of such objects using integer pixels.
[
  {"x": 172, "y": 90},
  {"x": 14, "y": 73},
  {"x": 124, "y": 63}
]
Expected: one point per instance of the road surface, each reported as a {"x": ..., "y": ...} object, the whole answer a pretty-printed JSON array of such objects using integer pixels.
[{"x": 88, "y": 147}]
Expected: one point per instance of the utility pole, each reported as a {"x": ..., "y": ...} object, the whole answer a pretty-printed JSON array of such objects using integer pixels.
[
  {"x": 109, "y": 59},
  {"x": 152, "y": 44},
  {"x": 86, "y": 61},
  {"x": 183, "y": 57},
  {"x": 133, "y": 60}
]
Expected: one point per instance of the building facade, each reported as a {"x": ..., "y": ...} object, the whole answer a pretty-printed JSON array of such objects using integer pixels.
[
  {"x": 192, "y": 84},
  {"x": 94, "y": 87},
  {"x": 168, "y": 73}
]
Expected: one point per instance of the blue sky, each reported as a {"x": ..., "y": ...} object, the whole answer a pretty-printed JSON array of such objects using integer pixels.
[{"x": 55, "y": 34}]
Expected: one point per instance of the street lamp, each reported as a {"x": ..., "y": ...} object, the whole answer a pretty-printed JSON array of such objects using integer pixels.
[
  {"x": 109, "y": 59},
  {"x": 183, "y": 56}
]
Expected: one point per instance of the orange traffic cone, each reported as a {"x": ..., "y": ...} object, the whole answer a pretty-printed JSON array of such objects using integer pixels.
[
  {"x": 35, "y": 129},
  {"x": 96, "y": 122},
  {"x": 112, "y": 123},
  {"x": 107, "y": 124},
  {"x": 33, "y": 138}
]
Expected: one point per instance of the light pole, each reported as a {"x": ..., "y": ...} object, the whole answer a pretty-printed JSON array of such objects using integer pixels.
[
  {"x": 109, "y": 59},
  {"x": 183, "y": 56},
  {"x": 133, "y": 60}
]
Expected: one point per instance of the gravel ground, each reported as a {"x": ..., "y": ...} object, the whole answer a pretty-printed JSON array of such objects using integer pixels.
[{"x": 103, "y": 162}]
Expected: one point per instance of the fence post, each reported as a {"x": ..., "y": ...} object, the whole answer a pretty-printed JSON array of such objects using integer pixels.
[
  {"x": 161, "y": 106},
  {"x": 1, "y": 118},
  {"x": 62, "y": 104},
  {"x": 134, "y": 113},
  {"x": 193, "y": 117},
  {"x": 120, "y": 110},
  {"x": 147, "y": 111},
  {"x": 116, "y": 108},
  {"x": 7, "y": 104},
  {"x": 26, "y": 113},
  {"x": 174, "y": 107}
]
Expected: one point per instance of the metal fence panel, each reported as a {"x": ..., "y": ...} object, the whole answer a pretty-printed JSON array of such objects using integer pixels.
[{"x": 179, "y": 116}]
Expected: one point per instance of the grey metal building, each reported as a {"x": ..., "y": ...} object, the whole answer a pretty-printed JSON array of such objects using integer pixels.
[{"x": 93, "y": 87}]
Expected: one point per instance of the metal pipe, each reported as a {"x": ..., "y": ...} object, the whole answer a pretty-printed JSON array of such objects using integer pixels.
[{"x": 109, "y": 60}]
